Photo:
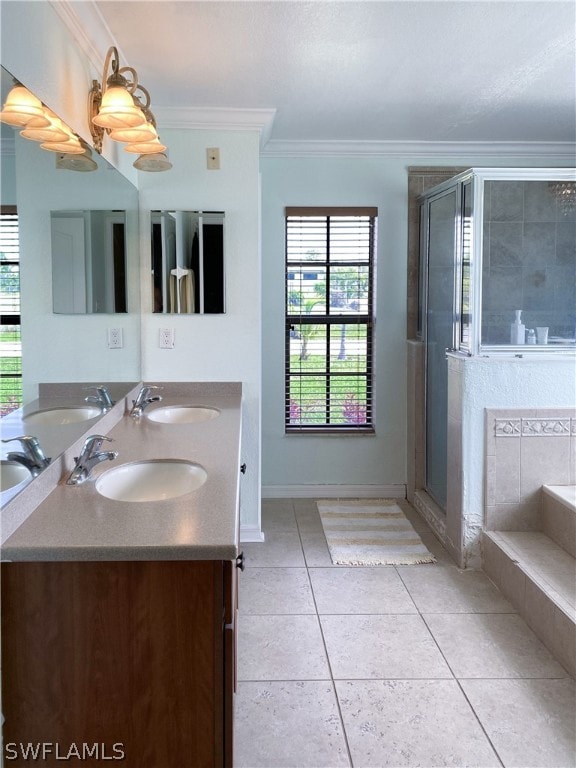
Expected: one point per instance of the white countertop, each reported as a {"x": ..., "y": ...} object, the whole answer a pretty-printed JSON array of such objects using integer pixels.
[{"x": 77, "y": 523}]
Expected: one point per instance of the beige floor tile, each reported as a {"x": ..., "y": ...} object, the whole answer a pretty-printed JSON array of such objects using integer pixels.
[
  {"x": 288, "y": 724},
  {"x": 270, "y": 506},
  {"x": 309, "y": 521},
  {"x": 450, "y": 590},
  {"x": 281, "y": 648},
  {"x": 360, "y": 590},
  {"x": 280, "y": 518},
  {"x": 387, "y": 646},
  {"x": 530, "y": 722},
  {"x": 275, "y": 591},
  {"x": 435, "y": 548},
  {"x": 494, "y": 645},
  {"x": 280, "y": 549},
  {"x": 413, "y": 723},
  {"x": 316, "y": 550}
]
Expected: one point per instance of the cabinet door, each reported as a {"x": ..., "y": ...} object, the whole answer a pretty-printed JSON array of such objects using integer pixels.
[
  {"x": 115, "y": 653},
  {"x": 230, "y": 649}
]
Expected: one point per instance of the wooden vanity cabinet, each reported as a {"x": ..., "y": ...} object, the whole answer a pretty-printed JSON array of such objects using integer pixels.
[{"x": 136, "y": 654}]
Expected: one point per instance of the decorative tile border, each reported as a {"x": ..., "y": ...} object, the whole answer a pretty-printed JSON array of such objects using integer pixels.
[
  {"x": 545, "y": 427},
  {"x": 534, "y": 427},
  {"x": 507, "y": 427}
]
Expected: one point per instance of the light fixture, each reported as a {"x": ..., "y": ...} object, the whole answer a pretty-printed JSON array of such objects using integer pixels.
[
  {"x": 565, "y": 194},
  {"x": 146, "y": 147},
  {"x": 49, "y": 127},
  {"x": 80, "y": 162},
  {"x": 21, "y": 106},
  {"x": 72, "y": 146},
  {"x": 24, "y": 110},
  {"x": 154, "y": 162},
  {"x": 120, "y": 108}
]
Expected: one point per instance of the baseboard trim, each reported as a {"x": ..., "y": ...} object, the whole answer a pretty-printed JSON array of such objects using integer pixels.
[
  {"x": 334, "y": 491},
  {"x": 250, "y": 533}
]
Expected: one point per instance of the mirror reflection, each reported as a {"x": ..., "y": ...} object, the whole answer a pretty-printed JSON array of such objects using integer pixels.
[
  {"x": 188, "y": 262},
  {"x": 40, "y": 348},
  {"x": 88, "y": 262}
]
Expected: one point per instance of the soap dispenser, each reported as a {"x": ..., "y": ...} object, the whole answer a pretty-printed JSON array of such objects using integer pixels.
[{"x": 518, "y": 329}]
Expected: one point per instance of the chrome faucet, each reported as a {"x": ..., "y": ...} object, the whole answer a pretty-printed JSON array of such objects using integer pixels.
[
  {"x": 89, "y": 457},
  {"x": 143, "y": 399},
  {"x": 32, "y": 455},
  {"x": 101, "y": 398}
]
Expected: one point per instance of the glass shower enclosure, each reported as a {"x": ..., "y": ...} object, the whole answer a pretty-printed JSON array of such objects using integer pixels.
[{"x": 497, "y": 276}]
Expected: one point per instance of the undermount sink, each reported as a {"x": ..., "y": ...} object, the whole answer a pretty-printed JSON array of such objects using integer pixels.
[
  {"x": 182, "y": 414},
  {"x": 55, "y": 417},
  {"x": 151, "y": 480},
  {"x": 12, "y": 474}
]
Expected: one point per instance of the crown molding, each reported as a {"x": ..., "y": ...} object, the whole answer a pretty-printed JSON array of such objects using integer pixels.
[
  {"x": 88, "y": 28},
  {"x": 217, "y": 119},
  {"x": 560, "y": 151}
]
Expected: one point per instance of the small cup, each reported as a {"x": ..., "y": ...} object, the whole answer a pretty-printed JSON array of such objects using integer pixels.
[{"x": 541, "y": 335}]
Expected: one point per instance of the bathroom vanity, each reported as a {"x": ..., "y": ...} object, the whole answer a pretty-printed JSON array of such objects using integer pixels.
[{"x": 119, "y": 617}]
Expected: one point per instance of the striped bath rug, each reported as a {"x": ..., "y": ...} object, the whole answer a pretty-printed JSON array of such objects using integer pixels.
[{"x": 371, "y": 532}]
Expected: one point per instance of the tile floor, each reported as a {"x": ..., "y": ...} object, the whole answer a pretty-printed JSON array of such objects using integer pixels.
[{"x": 421, "y": 665}]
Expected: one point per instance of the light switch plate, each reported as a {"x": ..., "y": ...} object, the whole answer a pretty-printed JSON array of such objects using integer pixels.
[{"x": 213, "y": 159}]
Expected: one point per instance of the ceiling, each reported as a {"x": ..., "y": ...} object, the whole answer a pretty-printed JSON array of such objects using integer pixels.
[{"x": 398, "y": 70}]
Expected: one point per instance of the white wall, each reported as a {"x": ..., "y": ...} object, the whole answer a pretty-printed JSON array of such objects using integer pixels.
[
  {"x": 350, "y": 460},
  {"x": 294, "y": 460},
  {"x": 213, "y": 347}
]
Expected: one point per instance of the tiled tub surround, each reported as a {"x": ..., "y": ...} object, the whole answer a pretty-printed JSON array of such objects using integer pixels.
[
  {"x": 530, "y": 541},
  {"x": 50, "y": 520},
  {"x": 526, "y": 449}
]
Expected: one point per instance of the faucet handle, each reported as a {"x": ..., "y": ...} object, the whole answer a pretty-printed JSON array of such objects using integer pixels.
[
  {"x": 93, "y": 443},
  {"x": 31, "y": 446},
  {"x": 102, "y": 395}
]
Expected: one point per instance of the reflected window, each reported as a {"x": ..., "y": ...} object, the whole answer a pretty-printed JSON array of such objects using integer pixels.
[{"x": 10, "y": 338}]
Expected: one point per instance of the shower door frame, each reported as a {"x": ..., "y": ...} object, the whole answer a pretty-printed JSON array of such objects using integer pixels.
[{"x": 455, "y": 184}]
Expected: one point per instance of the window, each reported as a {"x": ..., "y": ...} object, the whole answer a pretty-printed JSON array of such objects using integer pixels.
[
  {"x": 330, "y": 254},
  {"x": 10, "y": 344}
]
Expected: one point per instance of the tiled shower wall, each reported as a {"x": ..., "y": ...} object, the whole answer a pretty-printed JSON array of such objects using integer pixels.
[
  {"x": 528, "y": 260},
  {"x": 526, "y": 449}
]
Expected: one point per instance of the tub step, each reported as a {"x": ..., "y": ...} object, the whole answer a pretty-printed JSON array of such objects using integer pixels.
[
  {"x": 538, "y": 576},
  {"x": 559, "y": 515}
]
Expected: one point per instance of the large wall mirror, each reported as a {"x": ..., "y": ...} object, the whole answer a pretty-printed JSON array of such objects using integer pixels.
[
  {"x": 188, "y": 262},
  {"x": 43, "y": 345}
]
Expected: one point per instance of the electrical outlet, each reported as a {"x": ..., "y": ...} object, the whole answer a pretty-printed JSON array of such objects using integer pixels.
[
  {"x": 213, "y": 159},
  {"x": 115, "y": 338},
  {"x": 166, "y": 338}
]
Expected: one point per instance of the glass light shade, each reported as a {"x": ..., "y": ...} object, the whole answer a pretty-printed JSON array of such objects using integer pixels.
[
  {"x": 37, "y": 130},
  {"x": 155, "y": 162},
  {"x": 118, "y": 110},
  {"x": 146, "y": 147},
  {"x": 80, "y": 162},
  {"x": 70, "y": 147},
  {"x": 142, "y": 133},
  {"x": 21, "y": 106}
]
